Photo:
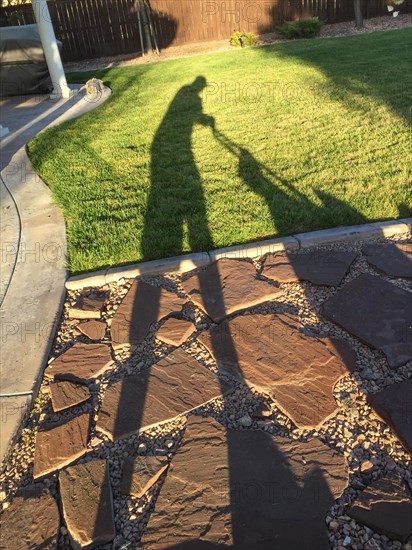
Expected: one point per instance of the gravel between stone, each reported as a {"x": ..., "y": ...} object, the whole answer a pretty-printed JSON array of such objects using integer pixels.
[{"x": 368, "y": 444}]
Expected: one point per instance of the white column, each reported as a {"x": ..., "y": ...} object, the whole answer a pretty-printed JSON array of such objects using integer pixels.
[{"x": 50, "y": 48}]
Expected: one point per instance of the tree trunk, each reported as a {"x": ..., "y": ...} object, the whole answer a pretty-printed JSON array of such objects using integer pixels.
[{"x": 358, "y": 14}]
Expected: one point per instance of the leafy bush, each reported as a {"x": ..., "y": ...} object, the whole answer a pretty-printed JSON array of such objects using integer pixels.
[
  {"x": 301, "y": 28},
  {"x": 243, "y": 39}
]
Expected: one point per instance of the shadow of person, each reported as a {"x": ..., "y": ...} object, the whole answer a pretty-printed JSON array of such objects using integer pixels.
[
  {"x": 252, "y": 492},
  {"x": 287, "y": 204},
  {"x": 404, "y": 210},
  {"x": 271, "y": 515},
  {"x": 176, "y": 197},
  {"x": 176, "y": 201},
  {"x": 176, "y": 194}
]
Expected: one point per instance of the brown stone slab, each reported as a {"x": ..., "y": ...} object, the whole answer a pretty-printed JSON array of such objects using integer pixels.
[
  {"x": 141, "y": 473},
  {"x": 394, "y": 406},
  {"x": 67, "y": 394},
  {"x": 88, "y": 503},
  {"x": 269, "y": 353},
  {"x": 142, "y": 306},
  {"x": 321, "y": 267},
  {"x": 175, "y": 331},
  {"x": 60, "y": 445},
  {"x": 378, "y": 313},
  {"x": 32, "y": 521},
  {"x": 80, "y": 363},
  {"x": 173, "y": 386},
  {"x": 87, "y": 307},
  {"x": 245, "y": 489},
  {"x": 227, "y": 286},
  {"x": 394, "y": 259},
  {"x": 386, "y": 507},
  {"x": 95, "y": 330}
]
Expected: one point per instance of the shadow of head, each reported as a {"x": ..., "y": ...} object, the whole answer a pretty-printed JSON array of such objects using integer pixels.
[{"x": 199, "y": 84}]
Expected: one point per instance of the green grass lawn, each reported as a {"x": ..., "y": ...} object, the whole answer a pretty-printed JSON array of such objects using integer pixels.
[{"x": 220, "y": 149}]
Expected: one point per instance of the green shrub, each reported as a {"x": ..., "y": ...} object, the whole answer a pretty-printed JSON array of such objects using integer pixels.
[
  {"x": 243, "y": 39},
  {"x": 301, "y": 28}
]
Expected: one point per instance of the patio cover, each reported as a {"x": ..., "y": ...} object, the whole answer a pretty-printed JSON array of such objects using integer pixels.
[{"x": 23, "y": 68}]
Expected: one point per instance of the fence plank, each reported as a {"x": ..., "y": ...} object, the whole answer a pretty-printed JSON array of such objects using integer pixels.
[{"x": 97, "y": 28}]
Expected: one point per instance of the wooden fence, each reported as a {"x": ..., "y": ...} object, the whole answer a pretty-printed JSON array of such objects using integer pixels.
[{"x": 98, "y": 28}]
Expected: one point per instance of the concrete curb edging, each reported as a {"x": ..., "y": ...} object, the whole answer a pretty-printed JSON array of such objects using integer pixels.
[
  {"x": 375, "y": 230},
  {"x": 187, "y": 262}
]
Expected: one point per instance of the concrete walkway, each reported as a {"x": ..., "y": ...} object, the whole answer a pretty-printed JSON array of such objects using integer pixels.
[{"x": 33, "y": 253}]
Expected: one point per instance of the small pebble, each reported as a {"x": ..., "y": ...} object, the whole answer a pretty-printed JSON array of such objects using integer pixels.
[
  {"x": 246, "y": 421},
  {"x": 366, "y": 466},
  {"x": 334, "y": 526},
  {"x": 347, "y": 541}
]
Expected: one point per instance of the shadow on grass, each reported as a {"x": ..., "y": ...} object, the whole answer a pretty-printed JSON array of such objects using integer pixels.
[
  {"x": 288, "y": 206},
  {"x": 358, "y": 68},
  {"x": 176, "y": 199}
]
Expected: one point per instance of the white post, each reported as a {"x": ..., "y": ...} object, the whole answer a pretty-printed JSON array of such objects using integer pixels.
[{"x": 50, "y": 48}]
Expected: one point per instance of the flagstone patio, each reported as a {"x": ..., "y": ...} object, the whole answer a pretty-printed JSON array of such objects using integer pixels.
[{"x": 250, "y": 404}]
